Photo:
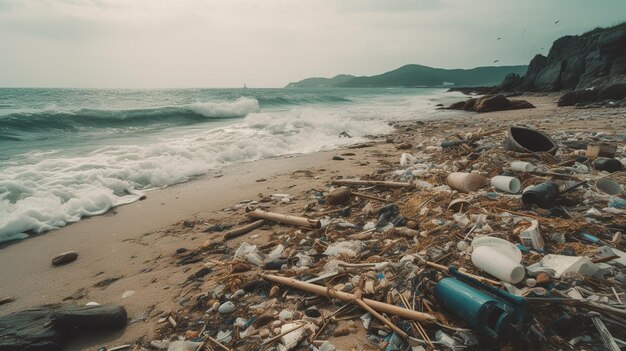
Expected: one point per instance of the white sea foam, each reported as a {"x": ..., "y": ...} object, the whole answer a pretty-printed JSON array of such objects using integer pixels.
[
  {"x": 225, "y": 109},
  {"x": 40, "y": 191}
]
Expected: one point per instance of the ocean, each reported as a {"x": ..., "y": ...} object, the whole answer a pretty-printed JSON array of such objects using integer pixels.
[{"x": 66, "y": 154}]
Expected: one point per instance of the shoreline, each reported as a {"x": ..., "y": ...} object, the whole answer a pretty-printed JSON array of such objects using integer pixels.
[{"x": 136, "y": 242}]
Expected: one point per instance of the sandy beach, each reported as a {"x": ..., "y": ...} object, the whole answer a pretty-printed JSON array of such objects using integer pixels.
[{"x": 133, "y": 246}]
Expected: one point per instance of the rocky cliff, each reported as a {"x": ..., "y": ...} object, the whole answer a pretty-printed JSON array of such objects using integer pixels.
[{"x": 576, "y": 62}]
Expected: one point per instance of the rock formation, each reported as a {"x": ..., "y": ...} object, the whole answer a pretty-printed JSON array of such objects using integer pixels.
[{"x": 576, "y": 62}]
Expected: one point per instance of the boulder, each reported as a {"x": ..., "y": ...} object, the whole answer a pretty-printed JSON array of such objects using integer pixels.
[
  {"x": 599, "y": 95},
  {"x": 469, "y": 104},
  {"x": 49, "y": 327},
  {"x": 492, "y": 103},
  {"x": 520, "y": 104},
  {"x": 457, "y": 105}
]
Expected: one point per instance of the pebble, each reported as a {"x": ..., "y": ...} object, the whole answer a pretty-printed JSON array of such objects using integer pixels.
[
  {"x": 239, "y": 293},
  {"x": 338, "y": 158},
  {"x": 342, "y": 331},
  {"x": 285, "y": 315},
  {"x": 543, "y": 278},
  {"x": 531, "y": 283},
  {"x": 274, "y": 291},
  {"x": 128, "y": 293},
  {"x": 338, "y": 196},
  {"x": 462, "y": 246},
  {"x": 227, "y": 307},
  {"x": 617, "y": 238},
  {"x": 64, "y": 258},
  {"x": 264, "y": 333}
]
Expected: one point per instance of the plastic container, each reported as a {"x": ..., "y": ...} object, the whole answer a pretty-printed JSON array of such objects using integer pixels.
[
  {"x": 542, "y": 195},
  {"x": 497, "y": 264},
  {"x": 608, "y": 164},
  {"x": 465, "y": 182},
  {"x": 531, "y": 237},
  {"x": 508, "y": 184},
  {"x": 521, "y": 166},
  {"x": 487, "y": 310}
]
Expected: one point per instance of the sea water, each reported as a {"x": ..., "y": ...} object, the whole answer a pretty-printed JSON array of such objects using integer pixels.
[{"x": 70, "y": 153}]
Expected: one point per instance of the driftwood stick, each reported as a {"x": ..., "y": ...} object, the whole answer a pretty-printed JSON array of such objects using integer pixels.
[
  {"x": 219, "y": 344},
  {"x": 285, "y": 219},
  {"x": 272, "y": 339},
  {"x": 243, "y": 230},
  {"x": 373, "y": 182},
  {"x": 443, "y": 268},
  {"x": 372, "y": 197},
  {"x": 347, "y": 297},
  {"x": 381, "y": 318},
  {"x": 555, "y": 174}
]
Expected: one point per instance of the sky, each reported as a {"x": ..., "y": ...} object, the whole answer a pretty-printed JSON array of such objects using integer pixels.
[{"x": 268, "y": 43}]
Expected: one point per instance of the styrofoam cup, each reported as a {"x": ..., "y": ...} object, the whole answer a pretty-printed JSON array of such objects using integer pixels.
[
  {"x": 521, "y": 166},
  {"x": 497, "y": 264},
  {"x": 508, "y": 184}
]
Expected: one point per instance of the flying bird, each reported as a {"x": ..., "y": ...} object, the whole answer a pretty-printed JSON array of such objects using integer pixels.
[
  {"x": 494, "y": 61},
  {"x": 557, "y": 21}
]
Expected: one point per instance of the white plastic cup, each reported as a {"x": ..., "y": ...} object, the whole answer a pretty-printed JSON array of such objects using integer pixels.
[
  {"x": 465, "y": 182},
  {"x": 608, "y": 186},
  {"x": 508, "y": 184},
  {"x": 497, "y": 264},
  {"x": 521, "y": 166}
]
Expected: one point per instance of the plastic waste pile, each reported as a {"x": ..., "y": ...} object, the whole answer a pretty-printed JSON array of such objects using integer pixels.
[{"x": 499, "y": 239}]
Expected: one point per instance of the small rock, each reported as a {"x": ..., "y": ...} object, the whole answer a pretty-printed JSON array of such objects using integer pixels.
[
  {"x": 226, "y": 307},
  {"x": 5, "y": 300},
  {"x": 543, "y": 278},
  {"x": 338, "y": 158},
  {"x": 264, "y": 333},
  {"x": 342, "y": 331},
  {"x": 142, "y": 197},
  {"x": 531, "y": 283},
  {"x": 404, "y": 146},
  {"x": 338, "y": 196},
  {"x": 274, "y": 291},
  {"x": 412, "y": 225},
  {"x": 64, "y": 258},
  {"x": 240, "y": 267}
]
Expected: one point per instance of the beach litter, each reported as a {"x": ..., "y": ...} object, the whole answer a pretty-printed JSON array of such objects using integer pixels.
[{"x": 423, "y": 254}]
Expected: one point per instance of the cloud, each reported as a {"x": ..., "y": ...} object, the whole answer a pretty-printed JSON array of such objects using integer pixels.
[{"x": 189, "y": 43}]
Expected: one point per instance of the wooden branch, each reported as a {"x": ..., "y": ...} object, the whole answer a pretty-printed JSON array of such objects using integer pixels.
[
  {"x": 285, "y": 219},
  {"x": 243, "y": 230},
  {"x": 375, "y": 198},
  {"x": 347, "y": 297},
  {"x": 373, "y": 183},
  {"x": 443, "y": 268}
]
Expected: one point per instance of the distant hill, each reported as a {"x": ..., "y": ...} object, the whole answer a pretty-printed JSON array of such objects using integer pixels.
[
  {"x": 417, "y": 76},
  {"x": 318, "y": 82}
]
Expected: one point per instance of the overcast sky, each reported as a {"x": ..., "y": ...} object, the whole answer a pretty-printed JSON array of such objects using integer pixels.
[{"x": 268, "y": 43}]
